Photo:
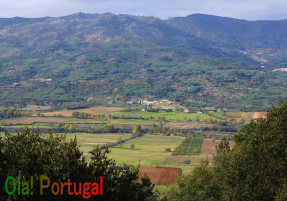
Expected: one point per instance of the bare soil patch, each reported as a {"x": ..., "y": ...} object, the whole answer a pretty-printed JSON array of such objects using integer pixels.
[
  {"x": 160, "y": 175},
  {"x": 208, "y": 147},
  {"x": 258, "y": 115}
]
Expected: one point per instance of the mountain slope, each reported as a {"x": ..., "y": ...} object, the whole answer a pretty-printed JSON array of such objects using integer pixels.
[
  {"x": 193, "y": 60},
  {"x": 265, "y": 40}
]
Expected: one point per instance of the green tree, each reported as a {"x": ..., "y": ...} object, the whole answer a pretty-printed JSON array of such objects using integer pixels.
[
  {"x": 230, "y": 120},
  {"x": 29, "y": 154},
  {"x": 108, "y": 128},
  {"x": 223, "y": 147},
  {"x": 281, "y": 194},
  {"x": 198, "y": 186},
  {"x": 256, "y": 169},
  {"x": 90, "y": 100},
  {"x": 247, "y": 130},
  {"x": 137, "y": 130},
  {"x": 241, "y": 120}
]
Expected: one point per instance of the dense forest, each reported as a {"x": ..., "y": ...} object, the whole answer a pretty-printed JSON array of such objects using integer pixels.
[{"x": 9, "y": 113}]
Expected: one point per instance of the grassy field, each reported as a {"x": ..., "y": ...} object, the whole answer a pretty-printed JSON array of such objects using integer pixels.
[
  {"x": 134, "y": 122},
  {"x": 234, "y": 114},
  {"x": 87, "y": 142},
  {"x": 149, "y": 151},
  {"x": 167, "y": 115},
  {"x": 113, "y": 121},
  {"x": 219, "y": 115}
]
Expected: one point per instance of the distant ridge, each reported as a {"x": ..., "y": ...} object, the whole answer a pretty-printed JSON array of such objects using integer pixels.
[{"x": 198, "y": 60}]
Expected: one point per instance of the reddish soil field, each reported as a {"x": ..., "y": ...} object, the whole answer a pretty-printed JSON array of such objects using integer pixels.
[
  {"x": 160, "y": 175},
  {"x": 92, "y": 110},
  {"x": 208, "y": 147}
]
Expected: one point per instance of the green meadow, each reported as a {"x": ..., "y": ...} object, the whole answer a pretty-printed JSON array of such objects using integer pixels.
[
  {"x": 87, "y": 142},
  {"x": 167, "y": 115}
]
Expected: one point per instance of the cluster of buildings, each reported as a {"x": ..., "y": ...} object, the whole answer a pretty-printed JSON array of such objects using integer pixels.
[
  {"x": 148, "y": 102},
  {"x": 192, "y": 111}
]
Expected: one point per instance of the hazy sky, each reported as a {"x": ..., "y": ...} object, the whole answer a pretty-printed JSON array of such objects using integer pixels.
[{"x": 244, "y": 9}]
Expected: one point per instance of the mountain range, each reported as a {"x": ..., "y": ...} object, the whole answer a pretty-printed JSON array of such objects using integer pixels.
[{"x": 198, "y": 60}]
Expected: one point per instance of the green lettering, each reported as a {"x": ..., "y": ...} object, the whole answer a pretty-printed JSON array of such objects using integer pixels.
[{"x": 7, "y": 185}]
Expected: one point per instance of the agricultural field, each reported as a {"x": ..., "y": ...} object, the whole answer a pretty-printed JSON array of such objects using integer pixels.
[
  {"x": 50, "y": 122},
  {"x": 247, "y": 116},
  {"x": 149, "y": 151},
  {"x": 161, "y": 175},
  {"x": 168, "y": 115},
  {"x": 257, "y": 115},
  {"x": 28, "y": 126},
  {"x": 234, "y": 115},
  {"x": 92, "y": 110},
  {"x": 133, "y": 122},
  {"x": 218, "y": 114},
  {"x": 190, "y": 146},
  {"x": 31, "y": 120},
  {"x": 36, "y": 108},
  {"x": 87, "y": 142},
  {"x": 208, "y": 147},
  {"x": 188, "y": 125}
]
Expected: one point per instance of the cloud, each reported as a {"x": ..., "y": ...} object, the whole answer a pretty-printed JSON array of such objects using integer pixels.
[{"x": 245, "y": 9}]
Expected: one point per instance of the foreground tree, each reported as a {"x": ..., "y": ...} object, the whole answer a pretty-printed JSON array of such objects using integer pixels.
[
  {"x": 29, "y": 154},
  {"x": 256, "y": 169}
]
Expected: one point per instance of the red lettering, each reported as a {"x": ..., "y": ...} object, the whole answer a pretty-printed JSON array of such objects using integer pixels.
[
  {"x": 55, "y": 192},
  {"x": 95, "y": 189}
]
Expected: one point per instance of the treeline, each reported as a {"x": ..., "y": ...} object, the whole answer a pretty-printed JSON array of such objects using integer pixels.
[
  {"x": 104, "y": 128},
  {"x": 10, "y": 112},
  {"x": 222, "y": 127},
  {"x": 159, "y": 118},
  {"x": 85, "y": 115},
  {"x": 74, "y": 128},
  {"x": 256, "y": 169}
]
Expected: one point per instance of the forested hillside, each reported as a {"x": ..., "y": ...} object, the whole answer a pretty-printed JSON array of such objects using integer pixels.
[{"x": 198, "y": 60}]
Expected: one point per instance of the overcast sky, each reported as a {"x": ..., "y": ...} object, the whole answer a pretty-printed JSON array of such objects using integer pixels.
[{"x": 243, "y": 9}]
